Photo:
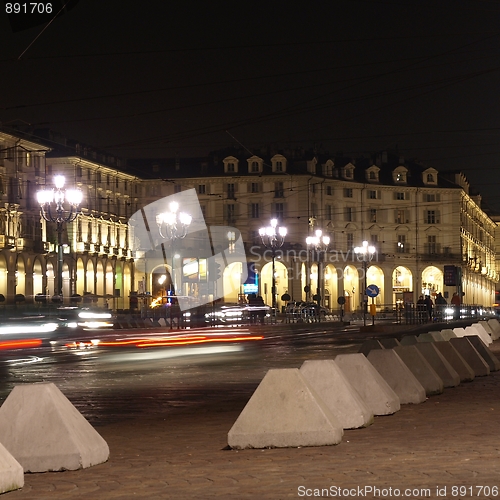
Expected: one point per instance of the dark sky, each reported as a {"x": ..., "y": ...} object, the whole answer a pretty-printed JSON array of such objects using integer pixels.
[{"x": 160, "y": 78}]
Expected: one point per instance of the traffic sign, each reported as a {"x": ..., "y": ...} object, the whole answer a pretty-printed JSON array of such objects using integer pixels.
[{"x": 372, "y": 291}]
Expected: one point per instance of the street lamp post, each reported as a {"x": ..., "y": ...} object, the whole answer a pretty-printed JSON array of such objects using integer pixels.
[
  {"x": 273, "y": 237},
  {"x": 59, "y": 205},
  {"x": 319, "y": 243},
  {"x": 173, "y": 226},
  {"x": 365, "y": 252}
]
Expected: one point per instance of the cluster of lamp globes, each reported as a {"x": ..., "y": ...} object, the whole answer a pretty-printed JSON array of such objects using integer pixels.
[
  {"x": 273, "y": 235},
  {"x": 176, "y": 224},
  {"x": 58, "y": 195}
]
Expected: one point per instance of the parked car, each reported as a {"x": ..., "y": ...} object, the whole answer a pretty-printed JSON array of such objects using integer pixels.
[
  {"x": 235, "y": 314},
  {"x": 306, "y": 311}
]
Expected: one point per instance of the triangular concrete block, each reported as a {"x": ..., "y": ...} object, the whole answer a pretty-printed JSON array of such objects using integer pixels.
[
  {"x": 465, "y": 372},
  {"x": 485, "y": 352},
  {"x": 397, "y": 375},
  {"x": 477, "y": 330},
  {"x": 370, "y": 385},
  {"x": 484, "y": 331},
  {"x": 409, "y": 340},
  {"x": 284, "y": 411},
  {"x": 342, "y": 399},
  {"x": 419, "y": 366},
  {"x": 425, "y": 337},
  {"x": 11, "y": 472},
  {"x": 486, "y": 326},
  {"x": 495, "y": 327},
  {"x": 45, "y": 432},
  {"x": 368, "y": 345},
  {"x": 448, "y": 334},
  {"x": 469, "y": 353},
  {"x": 439, "y": 363},
  {"x": 436, "y": 336},
  {"x": 389, "y": 342}
]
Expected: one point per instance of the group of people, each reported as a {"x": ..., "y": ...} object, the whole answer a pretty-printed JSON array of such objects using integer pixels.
[{"x": 426, "y": 304}]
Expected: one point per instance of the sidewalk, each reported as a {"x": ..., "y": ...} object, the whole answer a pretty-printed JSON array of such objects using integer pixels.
[{"x": 451, "y": 440}]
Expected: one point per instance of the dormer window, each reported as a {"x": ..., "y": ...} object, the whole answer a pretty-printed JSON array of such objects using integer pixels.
[
  {"x": 372, "y": 174},
  {"x": 348, "y": 171},
  {"x": 430, "y": 176},
  {"x": 230, "y": 165},
  {"x": 254, "y": 165},
  {"x": 399, "y": 175},
  {"x": 328, "y": 168},
  {"x": 278, "y": 163}
]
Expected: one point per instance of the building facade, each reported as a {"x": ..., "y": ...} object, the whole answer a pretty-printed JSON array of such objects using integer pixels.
[
  {"x": 421, "y": 222},
  {"x": 98, "y": 264}
]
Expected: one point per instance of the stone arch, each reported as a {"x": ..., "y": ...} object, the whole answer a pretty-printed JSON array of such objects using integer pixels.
[
  {"x": 402, "y": 281},
  {"x": 281, "y": 273}
]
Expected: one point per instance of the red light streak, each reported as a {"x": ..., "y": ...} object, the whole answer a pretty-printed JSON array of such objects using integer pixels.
[
  {"x": 165, "y": 342},
  {"x": 20, "y": 344}
]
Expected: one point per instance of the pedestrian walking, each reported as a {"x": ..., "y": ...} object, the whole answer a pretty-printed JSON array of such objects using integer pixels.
[{"x": 429, "y": 306}]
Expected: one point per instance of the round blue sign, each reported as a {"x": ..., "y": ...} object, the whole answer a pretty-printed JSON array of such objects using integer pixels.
[{"x": 372, "y": 290}]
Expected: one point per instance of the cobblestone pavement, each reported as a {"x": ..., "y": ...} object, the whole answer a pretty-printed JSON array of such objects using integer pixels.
[{"x": 446, "y": 447}]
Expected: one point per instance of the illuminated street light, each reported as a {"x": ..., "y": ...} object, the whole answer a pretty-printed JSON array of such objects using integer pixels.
[
  {"x": 59, "y": 205},
  {"x": 173, "y": 225},
  {"x": 365, "y": 253},
  {"x": 273, "y": 237},
  {"x": 319, "y": 243}
]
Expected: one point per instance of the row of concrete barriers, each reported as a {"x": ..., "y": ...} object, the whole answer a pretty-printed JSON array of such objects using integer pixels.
[{"x": 312, "y": 406}]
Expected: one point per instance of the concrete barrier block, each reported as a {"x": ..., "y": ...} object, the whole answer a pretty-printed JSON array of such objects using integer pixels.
[
  {"x": 439, "y": 364},
  {"x": 425, "y": 337},
  {"x": 465, "y": 372},
  {"x": 44, "y": 432},
  {"x": 484, "y": 332},
  {"x": 11, "y": 472},
  {"x": 341, "y": 398},
  {"x": 284, "y": 411},
  {"x": 389, "y": 342},
  {"x": 409, "y": 340},
  {"x": 397, "y": 375},
  {"x": 370, "y": 385},
  {"x": 459, "y": 332},
  {"x": 368, "y": 345},
  {"x": 485, "y": 352},
  {"x": 422, "y": 370},
  {"x": 448, "y": 334},
  {"x": 473, "y": 358},
  {"x": 495, "y": 326},
  {"x": 477, "y": 330},
  {"x": 436, "y": 336}
]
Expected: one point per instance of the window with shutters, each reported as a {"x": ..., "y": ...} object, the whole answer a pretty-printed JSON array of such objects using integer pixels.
[
  {"x": 254, "y": 211},
  {"x": 401, "y": 244},
  {"x": 279, "y": 211},
  {"x": 349, "y": 214},
  {"x": 231, "y": 190},
  {"x": 432, "y": 217}
]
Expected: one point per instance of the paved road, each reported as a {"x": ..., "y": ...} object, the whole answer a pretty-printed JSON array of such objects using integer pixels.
[{"x": 166, "y": 446}]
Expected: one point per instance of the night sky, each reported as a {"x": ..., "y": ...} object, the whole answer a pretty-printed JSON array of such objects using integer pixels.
[{"x": 162, "y": 78}]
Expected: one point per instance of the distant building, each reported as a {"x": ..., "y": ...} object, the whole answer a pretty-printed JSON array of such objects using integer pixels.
[{"x": 419, "y": 220}]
